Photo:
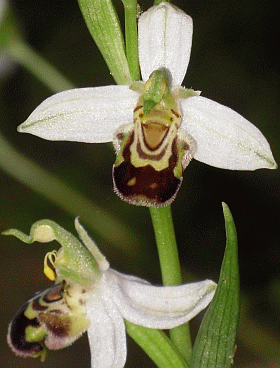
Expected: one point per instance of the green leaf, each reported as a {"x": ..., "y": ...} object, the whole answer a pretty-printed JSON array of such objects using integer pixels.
[
  {"x": 104, "y": 26},
  {"x": 215, "y": 343}
]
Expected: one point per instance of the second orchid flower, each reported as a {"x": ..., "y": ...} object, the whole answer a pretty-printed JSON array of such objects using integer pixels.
[{"x": 90, "y": 296}]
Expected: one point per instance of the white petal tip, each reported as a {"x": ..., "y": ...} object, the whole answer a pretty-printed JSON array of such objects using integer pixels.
[
  {"x": 272, "y": 164},
  {"x": 224, "y": 138},
  {"x": 19, "y": 128},
  {"x": 23, "y": 128},
  {"x": 261, "y": 160}
]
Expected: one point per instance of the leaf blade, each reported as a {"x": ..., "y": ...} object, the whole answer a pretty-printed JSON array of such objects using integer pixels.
[{"x": 215, "y": 343}]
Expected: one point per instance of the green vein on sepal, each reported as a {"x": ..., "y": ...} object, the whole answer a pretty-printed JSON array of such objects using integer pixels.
[{"x": 215, "y": 343}]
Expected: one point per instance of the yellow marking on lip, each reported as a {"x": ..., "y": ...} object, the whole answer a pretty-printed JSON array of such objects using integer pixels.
[
  {"x": 132, "y": 182},
  {"x": 154, "y": 134}
]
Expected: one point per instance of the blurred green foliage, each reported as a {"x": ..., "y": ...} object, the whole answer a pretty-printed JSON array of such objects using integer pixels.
[{"x": 235, "y": 61}]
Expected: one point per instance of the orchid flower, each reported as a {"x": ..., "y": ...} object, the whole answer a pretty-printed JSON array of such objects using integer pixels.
[
  {"x": 89, "y": 295},
  {"x": 156, "y": 125}
]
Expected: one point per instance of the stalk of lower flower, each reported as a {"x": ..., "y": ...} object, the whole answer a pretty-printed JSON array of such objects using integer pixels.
[
  {"x": 38, "y": 66},
  {"x": 157, "y": 345},
  {"x": 170, "y": 269},
  {"x": 131, "y": 37}
]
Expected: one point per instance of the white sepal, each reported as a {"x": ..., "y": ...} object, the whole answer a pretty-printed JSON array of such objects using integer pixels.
[
  {"x": 165, "y": 39},
  {"x": 157, "y": 306},
  {"x": 224, "y": 138},
  {"x": 106, "y": 333},
  {"x": 88, "y": 115}
]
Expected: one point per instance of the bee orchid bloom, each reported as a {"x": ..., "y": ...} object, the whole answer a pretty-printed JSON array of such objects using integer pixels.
[
  {"x": 156, "y": 125},
  {"x": 90, "y": 296}
]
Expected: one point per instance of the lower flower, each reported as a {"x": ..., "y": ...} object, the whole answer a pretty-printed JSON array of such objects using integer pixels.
[{"x": 90, "y": 296}]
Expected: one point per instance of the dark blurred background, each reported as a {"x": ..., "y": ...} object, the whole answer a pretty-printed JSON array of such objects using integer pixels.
[{"x": 234, "y": 61}]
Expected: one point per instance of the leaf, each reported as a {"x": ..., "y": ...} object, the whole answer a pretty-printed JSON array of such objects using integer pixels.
[
  {"x": 215, "y": 343},
  {"x": 104, "y": 26}
]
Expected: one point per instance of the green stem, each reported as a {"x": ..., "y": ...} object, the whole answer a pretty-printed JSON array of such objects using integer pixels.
[
  {"x": 167, "y": 246},
  {"x": 38, "y": 66},
  {"x": 131, "y": 38},
  {"x": 170, "y": 269},
  {"x": 157, "y": 346}
]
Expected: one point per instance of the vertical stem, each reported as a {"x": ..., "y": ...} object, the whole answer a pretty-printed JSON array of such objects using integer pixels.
[
  {"x": 167, "y": 246},
  {"x": 170, "y": 269},
  {"x": 131, "y": 37}
]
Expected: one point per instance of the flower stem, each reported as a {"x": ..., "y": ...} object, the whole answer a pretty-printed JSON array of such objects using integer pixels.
[
  {"x": 38, "y": 66},
  {"x": 157, "y": 346},
  {"x": 131, "y": 38},
  {"x": 170, "y": 269}
]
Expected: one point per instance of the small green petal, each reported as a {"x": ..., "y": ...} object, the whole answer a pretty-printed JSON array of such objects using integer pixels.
[{"x": 156, "y": 88}]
